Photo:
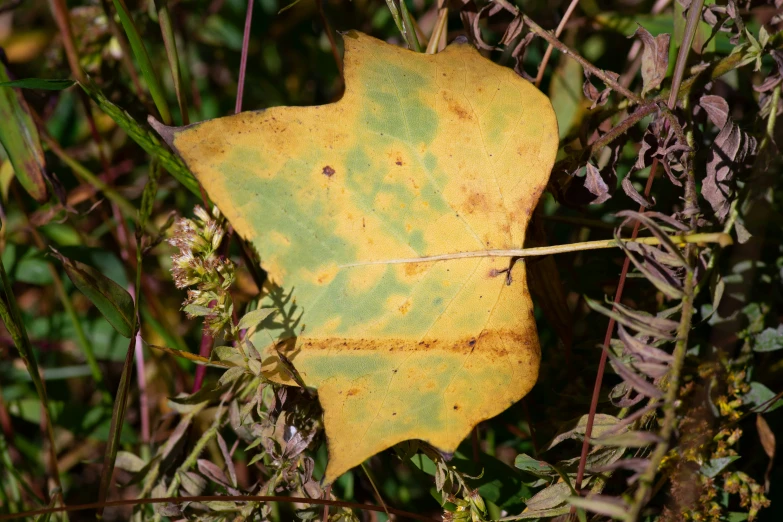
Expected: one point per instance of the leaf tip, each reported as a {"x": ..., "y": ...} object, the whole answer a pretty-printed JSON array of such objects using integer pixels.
[{"x": 164, "y": 131}]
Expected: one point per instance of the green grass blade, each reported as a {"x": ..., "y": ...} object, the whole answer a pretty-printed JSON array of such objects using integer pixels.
[
  {"x": 39, "y": 83},
  {"x": 145, "y": 139},
  {"x": 112, "y": 300},
  {"x": 143, "y": 59},
  {"x": 410, "y": 28}
]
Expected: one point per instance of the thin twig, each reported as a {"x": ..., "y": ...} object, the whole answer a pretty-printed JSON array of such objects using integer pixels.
[
  {"x": 563, "y": 48},
  {"x": 621, "y": 128},
  {"x": 329, "y": 34},
  {"x": 378, "y": 496},
  {"x": 599, "y": 375},
  {"x": 243, "y": 59},
  {"x": 716, "y": 237},
  {"x": 327, "y": 494},
  {"x": 558, "y": 31}
]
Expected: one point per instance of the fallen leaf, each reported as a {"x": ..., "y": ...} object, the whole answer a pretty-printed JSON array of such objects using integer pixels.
[{"x": 423, "y": 155}]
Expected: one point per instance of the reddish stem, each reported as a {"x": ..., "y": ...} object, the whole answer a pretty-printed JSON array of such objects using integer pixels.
[
  {"x": 205, "y": 350},
  {"x": 607, "y": 338},
  {"x": 243, "y": 60}
]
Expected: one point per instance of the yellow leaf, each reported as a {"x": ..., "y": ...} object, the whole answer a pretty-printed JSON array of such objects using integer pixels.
[{"x": 423, "y": 155}]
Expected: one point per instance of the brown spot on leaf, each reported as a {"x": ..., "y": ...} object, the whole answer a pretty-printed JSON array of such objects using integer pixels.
[
  {"x": 328, "y": 171},
  {"x": 411, "y": 269},
  {"x": 353, "y": 391},
  {"x": 476, "y": 202},
  {"x": 457, "y": 108}
]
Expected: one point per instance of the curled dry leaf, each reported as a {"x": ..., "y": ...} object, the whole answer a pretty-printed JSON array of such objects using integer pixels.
[
  {"x": 731, "y": 152},
  {"x": 592, "y": 93},
  {"x": 632, "y": 193},
  {"x": 596, "y": 185},
  {"x": 655, "y": 58},
  {"x": 396, "y": 351},
  {"x": 767, "y": 438},
  {"x": 575, "y": 429}
]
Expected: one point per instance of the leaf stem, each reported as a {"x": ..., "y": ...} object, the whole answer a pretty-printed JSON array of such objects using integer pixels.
[
  {"x": 712, "y": 237},
  {"x": 192, "y": 459}
]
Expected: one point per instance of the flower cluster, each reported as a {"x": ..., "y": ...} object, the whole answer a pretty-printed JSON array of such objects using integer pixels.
[
  {"x": 751, "y": 492},
  {"x": 720, "y": 446},
  {"x": 201, "y": 269},
  {"x": 469, "y": 508}
]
